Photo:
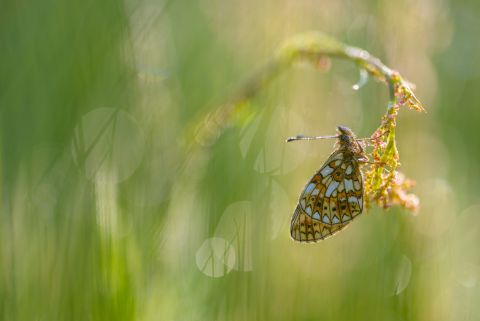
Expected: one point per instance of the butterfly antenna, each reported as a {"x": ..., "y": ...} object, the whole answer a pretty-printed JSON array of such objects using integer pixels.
[{"x": 302, "y": 137}]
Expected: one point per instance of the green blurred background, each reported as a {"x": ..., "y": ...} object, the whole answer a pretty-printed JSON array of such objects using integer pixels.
[{"x": 107, "y": 215}]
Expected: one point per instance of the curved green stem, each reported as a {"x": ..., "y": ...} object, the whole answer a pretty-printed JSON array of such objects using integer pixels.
[
  {"x": 312, "y": 47},
  {"x": 317, "y": 48}
]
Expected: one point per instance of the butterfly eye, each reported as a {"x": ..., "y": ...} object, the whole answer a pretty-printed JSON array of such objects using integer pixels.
[{"x": 344, "y": 138}]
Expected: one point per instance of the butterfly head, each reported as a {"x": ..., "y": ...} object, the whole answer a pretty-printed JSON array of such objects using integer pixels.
[{"x": 345, "y": 135}]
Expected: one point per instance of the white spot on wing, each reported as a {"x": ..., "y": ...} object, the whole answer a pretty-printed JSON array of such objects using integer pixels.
[
  {"x": 309, "y": 188},
  {"x": 335, "y": 220},
  {"x": 327, "y": 170},
  {"x": 356, "y": 184},
  {"x": 349, "y": 169},
  {"x": 348, "y": 185},
  {"x": 345, "y": 218},
  {"x": 338, "y": 156},
  {"x": 316, "y": 216},
  {"x": 333, "y": 185},
  {"x": 302, "y": 202},
  {"x": 325, "y": 219},
  {"x": 315, "y": 191},
  {"x": 309, "y": 210},
  {"x": 353, "y": 199},
  {"x": 337, "y": 162}
]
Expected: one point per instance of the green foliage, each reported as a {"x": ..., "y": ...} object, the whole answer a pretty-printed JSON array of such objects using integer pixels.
[
  {"x": 384, "y": 186},
  {"x": 131, "y": 189}
]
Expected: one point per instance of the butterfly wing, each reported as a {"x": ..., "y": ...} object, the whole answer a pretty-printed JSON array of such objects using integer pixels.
[{"x": 330, "y": 200}]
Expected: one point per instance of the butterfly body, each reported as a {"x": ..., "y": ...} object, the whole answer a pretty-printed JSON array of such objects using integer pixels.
[{"x": 333, "y": 197}]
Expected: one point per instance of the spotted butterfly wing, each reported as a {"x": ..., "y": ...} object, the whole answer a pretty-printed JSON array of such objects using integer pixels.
[{"x": 331, "y": 199}]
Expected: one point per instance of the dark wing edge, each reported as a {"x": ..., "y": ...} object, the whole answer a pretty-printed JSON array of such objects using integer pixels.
[{"x": 304, "y": 229}]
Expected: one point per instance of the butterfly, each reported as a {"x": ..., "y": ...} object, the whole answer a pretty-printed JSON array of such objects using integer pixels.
[{"x": 334, "y": 195}]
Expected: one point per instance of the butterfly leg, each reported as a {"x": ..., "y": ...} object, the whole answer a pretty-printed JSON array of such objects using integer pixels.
[
  {"x": 371, "y": 163},
  {"x": 370, "y": 139}
]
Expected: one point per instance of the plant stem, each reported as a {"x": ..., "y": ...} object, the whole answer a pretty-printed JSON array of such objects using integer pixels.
[{"x": 312, "y": 47}]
